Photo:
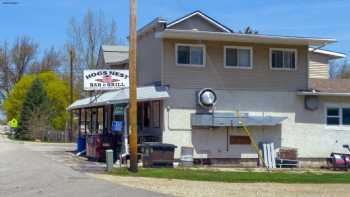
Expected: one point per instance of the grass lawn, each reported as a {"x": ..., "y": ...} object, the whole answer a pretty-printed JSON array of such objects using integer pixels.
[{"x": 235, "y": 177}]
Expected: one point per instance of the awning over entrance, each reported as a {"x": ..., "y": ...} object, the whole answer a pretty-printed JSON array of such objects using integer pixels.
[
  {"x": 146, "y": 93},
  {"x": 230, "y": 119}
]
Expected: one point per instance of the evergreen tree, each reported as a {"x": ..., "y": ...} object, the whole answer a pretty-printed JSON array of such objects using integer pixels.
[{"x": 34, "y": 116}]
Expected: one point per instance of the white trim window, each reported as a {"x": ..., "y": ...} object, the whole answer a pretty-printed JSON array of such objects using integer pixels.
[
  {"x": 190, "y": 55},
  {"x": 283, "y": 59},
  {"x": 238, "y": 57},
  {"x": 338, "y": 116}
]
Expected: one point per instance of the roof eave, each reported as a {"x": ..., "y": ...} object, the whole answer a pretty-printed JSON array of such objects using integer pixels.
[
  {"x": 311, "y": 93},
  {"x": 257, "y": 38},
  {"x": 151, "y": 25},
  {"x": 115, "y": 48},
  {"x": 145, "y": 93},
  {"x": 118, "y": 62},
  {"x": 332, "y": 54}
]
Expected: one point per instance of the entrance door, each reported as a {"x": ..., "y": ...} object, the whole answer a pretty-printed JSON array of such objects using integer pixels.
[{"x": 149, "y": 121}]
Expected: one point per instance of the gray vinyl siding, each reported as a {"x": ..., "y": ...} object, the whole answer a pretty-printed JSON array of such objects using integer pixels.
[
  {"x": 148, "y": 59},
  {"x": 214, "y": 75},
  {"x": 196, "y": 22},
  {"x": 319, "y": 66}
]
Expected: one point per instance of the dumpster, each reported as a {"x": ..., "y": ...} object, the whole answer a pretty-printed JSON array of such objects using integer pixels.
[{"x": 156, "y": 154}]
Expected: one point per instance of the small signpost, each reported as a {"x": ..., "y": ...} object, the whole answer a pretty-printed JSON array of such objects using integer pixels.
[{"x": 13, "y": 123}]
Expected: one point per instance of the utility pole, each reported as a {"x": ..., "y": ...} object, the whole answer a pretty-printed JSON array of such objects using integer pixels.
[
  {"x": 71, "y": 59},
  {"x": 133, "y": 86}
]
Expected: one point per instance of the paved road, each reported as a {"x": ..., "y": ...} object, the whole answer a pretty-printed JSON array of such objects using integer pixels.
[{"x": 32, "y": 169}]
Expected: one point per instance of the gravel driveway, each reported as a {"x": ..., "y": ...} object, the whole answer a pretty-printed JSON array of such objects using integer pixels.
[{"x": 39, "y": 169}]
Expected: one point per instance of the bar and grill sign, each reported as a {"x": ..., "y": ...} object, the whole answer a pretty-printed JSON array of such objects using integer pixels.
[{"x": 108, "y": 79}]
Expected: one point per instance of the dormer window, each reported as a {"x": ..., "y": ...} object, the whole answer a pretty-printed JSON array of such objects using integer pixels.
[
  {"x": 283, "y": 59},
  {"x": 190, "y": 55}
]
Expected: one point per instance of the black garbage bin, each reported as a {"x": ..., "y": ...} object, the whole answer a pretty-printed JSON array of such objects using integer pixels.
[{"x": 156, "y": 154}]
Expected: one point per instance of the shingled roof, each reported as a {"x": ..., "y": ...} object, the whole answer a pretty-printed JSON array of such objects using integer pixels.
[
  {"x": 331, "y": 86},
  {"x": 114, "y": 54}
]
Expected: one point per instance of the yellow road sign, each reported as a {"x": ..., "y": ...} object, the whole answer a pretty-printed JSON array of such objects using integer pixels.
[{"x": 14, "y": 123}]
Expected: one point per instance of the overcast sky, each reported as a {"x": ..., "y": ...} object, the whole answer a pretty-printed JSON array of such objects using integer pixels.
[{"x": 47, "y": 20}]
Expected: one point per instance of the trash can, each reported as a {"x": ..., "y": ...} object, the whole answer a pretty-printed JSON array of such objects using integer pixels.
[
  {"x": 156, "y": 154},
  {"x": 81, "y": 144}
]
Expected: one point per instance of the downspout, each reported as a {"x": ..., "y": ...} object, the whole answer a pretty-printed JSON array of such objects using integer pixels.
[
  {"x": 308, "y": 68},
  {"x": 125, "y": 136}
]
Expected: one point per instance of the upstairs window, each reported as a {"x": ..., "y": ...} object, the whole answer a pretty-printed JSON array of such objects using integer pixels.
[
  {"x": 190, "y": 55},
  {"x": 238, "y": 57},
  {"x": 283, "y": 59}
]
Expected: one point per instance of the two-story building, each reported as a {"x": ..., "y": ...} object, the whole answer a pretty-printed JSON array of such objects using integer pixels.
[{"x": 279, "y": 83}]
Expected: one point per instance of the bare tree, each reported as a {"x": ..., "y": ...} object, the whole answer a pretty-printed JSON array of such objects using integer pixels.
[
  {"x": 86, "y": 37},
  {"x": 16, "y": 61},
  {"x": 5, "y": 72},
  {"x": 345, "y": 71},
  {"x": 339, "y": 69},
  {"x": 51, "y": 61},
  {"x": 23, "y": 56}
]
